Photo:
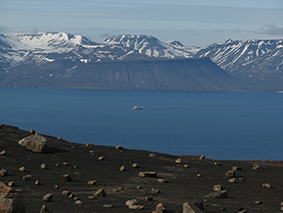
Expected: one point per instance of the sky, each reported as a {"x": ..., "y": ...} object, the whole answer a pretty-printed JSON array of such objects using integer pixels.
[{"x": 192, "y": 22}]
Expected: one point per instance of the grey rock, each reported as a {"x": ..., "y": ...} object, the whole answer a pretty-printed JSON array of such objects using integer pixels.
[
  {"x": 218, "y": 187},
  {"x": 35, "y": 143},
  {"x": 148, "y": 174},
  {"x": 47, "y": 197},
  {"x": 66, "y": 178},
  {"x": 160, "y": 208},
  {"x": 131, "y": 202},
  {"x": 10, "y": 203},
  {"x": 191, "y": 208},
  {"x": 230, "y": 173},
  {"x": 100, "y": 192},
  {"x": 3, "y": 172}
]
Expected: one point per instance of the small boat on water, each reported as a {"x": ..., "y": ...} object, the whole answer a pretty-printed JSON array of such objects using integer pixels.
[{"x": 137, "y": 108}]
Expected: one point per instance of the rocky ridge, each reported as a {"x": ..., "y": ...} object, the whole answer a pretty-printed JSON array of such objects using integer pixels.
[{"x": 89, "y": 178}]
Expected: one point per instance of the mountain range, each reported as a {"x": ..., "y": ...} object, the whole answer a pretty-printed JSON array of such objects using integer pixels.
[{"x": 139, "y": 62}]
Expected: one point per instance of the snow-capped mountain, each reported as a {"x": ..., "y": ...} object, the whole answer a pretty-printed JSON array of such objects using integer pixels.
[{"x": 259, "y": 61}]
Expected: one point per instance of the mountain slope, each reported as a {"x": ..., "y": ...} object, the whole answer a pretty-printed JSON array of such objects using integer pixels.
[{"x": 258, "y": 61}]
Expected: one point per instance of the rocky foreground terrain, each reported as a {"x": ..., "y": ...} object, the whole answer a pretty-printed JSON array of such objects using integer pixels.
[{"x": 69, "y": 177}]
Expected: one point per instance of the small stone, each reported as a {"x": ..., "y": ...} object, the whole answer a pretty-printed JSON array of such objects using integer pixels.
[
  {"x": 65, "y": 192},
  {"x": 160, "y": 208},
  {"x": 135, "y": 165},
  {"x": 3, "y": 172},
  {"x": 232, "y": 180},
  {"x": 186, "y": 166},
  {"x": 66, "y": 178},
  {"x": 161, "y": 180},
  {"x": 266, "y": 185},
  {"x": 131, "y": 202},
  {"x": 147, "y": 174},
  {"x": 281, "y": 203},
  {"x": 47, "y": 197},
  {"x": 57, "y": 165},
  {"x": 73, "y": 147},
  {"x": 217, "y": 164},
  {"x": 101, "y": 158},
  {"x": 56, "y": 187},
  {"x": 218, "y": 188},
  {"x": 191, "y": 208},
  {"x": 89, "y": 145},
  {"x": 256, "y": 166},
  {"x": 139, "y": 187},
  {"x": 202, "y": 157},
  {"x": 199, "y": 175},
  {"x": 37, "y": 182},
  {"x": 241, "y": 179},
  {"x": 71, "y": 196},
  {"x": 91, "y": 197},
  {"x": 76, "y": 198},
  {"x": 118, "y": 147},
  {"x": 136, "y": 207},
  {"x": 155, "y": 191},
  {"x": 122, "y": 168},
  {"x": 75, "y": 167},
  {"x": 58, "y": 138},
  {"x": 100, "y": 192},
  {"x": 153, "y": 155},
  {"x": 44, "y": 209},
  {"x": 179, "y": 160},
  {"x": 79, "y": 202},
  {"x": 230, "y": 173},
  {"x": 91, "y": 182},
  {"x": 43, "y": 166},
  {"x": 22, "y": 169},
  {"x": 218, "y": 194},
  {"x": 91, "y": 151},
  {"x": 11, "y": 183},
  {"x": 32, "y": 131},
  {"x": 2, "y": 153},
  {"x": 27, "y": 177},
  {"x": 108, "y": 206},
  {"x": 65, "y": 163},
  {"x": 258, "y": 202},
  {"x": 235, "y": 168}
]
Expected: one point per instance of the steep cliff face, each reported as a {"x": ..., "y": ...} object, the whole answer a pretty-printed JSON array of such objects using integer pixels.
[{"x": 183, "y": 75}]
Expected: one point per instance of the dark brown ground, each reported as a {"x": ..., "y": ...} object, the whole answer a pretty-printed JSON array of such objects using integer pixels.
[{"x": 183, "y": 184}]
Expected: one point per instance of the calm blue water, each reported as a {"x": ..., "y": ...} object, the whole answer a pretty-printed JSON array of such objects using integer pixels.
[{"x": 219, "y": 125}]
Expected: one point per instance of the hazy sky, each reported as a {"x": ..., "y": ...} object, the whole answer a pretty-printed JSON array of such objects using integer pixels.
[{"x": 192, "y": 22}]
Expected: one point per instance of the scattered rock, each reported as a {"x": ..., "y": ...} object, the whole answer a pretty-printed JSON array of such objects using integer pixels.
[
  {"x": 191, "y": 208},
  {"x": 230, "y": 173},
  {"x": 258, "y": 202},
  {"x": 47, "y": 197},
  {"x": 131, "y": 202},
  {"x": 235, "y": 168},
  {"x": 155, "y": 191},
  {"x": 108, "y": 206},
  {"x": 11, "y": 183},
  {"x": 232, "y": 180},
  {"x": 37, "y": 182},
  {"x": 3, "y": 172},
  {"x": 241, "y": 179},
  {"x": 199, "y": 175},
  {"x": 89, "y": 145},
  {"x": 43, "y": 166},
  {"x": 71, "y": 196},
  {"x": 136, "y": 207},
  {"x": 161, "y": 180},
  {"x": 65, "y": 192},
  {"x": 122, "y": 168},
  {"x": 79, "y": 202},
  {"x": 135, "y": 165},
  {"x": 56, "y": 187},
  {"x": 217, "y": 164},
  {"x": 148, "y": 174},
  {"x": 101, "y": 158},
  {"x": 44, "y": 209},
  {"x": 118, "y": 147},
  {"x": 266, "y": 185},
  {"x": 27, "y": 177},
  {"x": 22, "y": 169},
  {"x": 91, "y": 182},
  {"x": 32, "y": 131},
  {"x": 202, "y": 157},
  {"x": 179, "y": 160},
  {"x": 65, "y": 163},
  {"x": 35, "y": 143},
  {"x": 256, "y": 166},
  {"x": 2, "y": 153},
  {"x": 66, "y": 178},
  {"x": 218, "y": 188},
  {"x": 153, "y": 155},
  {"x": 218, "y": 194},
  {"x": 91, "y": 197},
  {"x": 160, "y": 208},
  {"x": 186, "y": 166},
  {"x": 100, "y": 192}
]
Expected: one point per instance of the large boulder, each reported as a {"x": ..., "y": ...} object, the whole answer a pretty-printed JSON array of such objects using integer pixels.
[{"x": 35, "y": 143}]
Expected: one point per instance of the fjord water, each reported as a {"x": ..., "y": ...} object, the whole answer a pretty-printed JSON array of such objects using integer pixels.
[{"x": 219, "y": 125}]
